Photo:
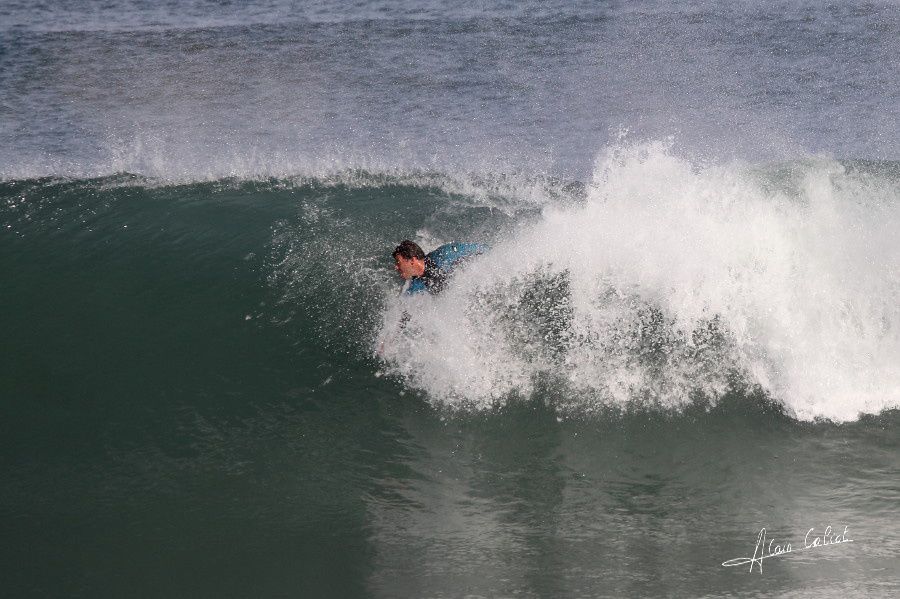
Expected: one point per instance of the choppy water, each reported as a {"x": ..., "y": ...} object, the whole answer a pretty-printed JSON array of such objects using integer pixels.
[{"x": 687, "y": 328}]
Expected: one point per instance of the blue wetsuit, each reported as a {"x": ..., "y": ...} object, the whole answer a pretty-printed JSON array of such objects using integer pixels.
[{"x": 440, "y": 263}]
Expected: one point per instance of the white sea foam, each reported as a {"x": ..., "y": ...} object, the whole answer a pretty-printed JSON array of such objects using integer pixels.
[{"x": 673, "y": 279}]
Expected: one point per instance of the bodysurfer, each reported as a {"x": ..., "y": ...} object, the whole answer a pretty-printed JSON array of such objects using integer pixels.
[{"x": 429, "y": 272}]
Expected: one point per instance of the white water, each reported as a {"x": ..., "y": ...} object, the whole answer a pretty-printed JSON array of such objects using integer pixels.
[{"x": 800, "y": 269}]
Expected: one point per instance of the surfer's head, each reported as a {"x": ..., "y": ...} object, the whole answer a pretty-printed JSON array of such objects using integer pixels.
[{"x": 409, "y": 259}]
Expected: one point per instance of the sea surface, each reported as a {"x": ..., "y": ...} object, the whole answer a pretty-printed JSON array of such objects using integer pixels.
[{"x": 687, "y": 328}]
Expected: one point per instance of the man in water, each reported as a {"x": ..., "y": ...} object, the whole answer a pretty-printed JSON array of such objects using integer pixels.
[{"x": 429, "y": 272}]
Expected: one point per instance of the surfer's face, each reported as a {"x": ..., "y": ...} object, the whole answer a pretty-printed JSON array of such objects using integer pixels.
[{"x": 409, "y": 267}]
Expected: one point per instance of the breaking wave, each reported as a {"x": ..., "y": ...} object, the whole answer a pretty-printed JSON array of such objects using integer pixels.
[{"x": 670, "y": 282}]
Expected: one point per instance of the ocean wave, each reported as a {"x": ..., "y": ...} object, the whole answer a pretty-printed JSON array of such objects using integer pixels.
[{"x": 660, "y": 282}]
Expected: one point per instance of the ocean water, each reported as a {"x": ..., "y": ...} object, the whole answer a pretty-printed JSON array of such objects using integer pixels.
[{"x": 687, "y": 329}]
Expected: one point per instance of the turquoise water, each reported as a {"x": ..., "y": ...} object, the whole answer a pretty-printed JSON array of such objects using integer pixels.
[{"x": 686, "y": 329}]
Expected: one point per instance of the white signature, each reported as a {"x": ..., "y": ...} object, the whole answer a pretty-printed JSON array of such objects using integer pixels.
[{"x": 765, "y": 551}]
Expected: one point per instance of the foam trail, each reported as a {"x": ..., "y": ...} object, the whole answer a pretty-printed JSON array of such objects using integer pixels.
[{"x": 673, "y": 280}]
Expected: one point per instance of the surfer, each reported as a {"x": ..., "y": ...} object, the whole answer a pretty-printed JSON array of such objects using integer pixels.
[{"x": 429, "y": 272}]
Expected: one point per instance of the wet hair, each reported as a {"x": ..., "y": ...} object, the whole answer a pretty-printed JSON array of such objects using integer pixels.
[{"x": 408, "y": 249}]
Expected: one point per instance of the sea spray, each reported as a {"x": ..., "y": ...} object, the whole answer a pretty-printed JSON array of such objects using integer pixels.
[{"x": 672, "y": 281}]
